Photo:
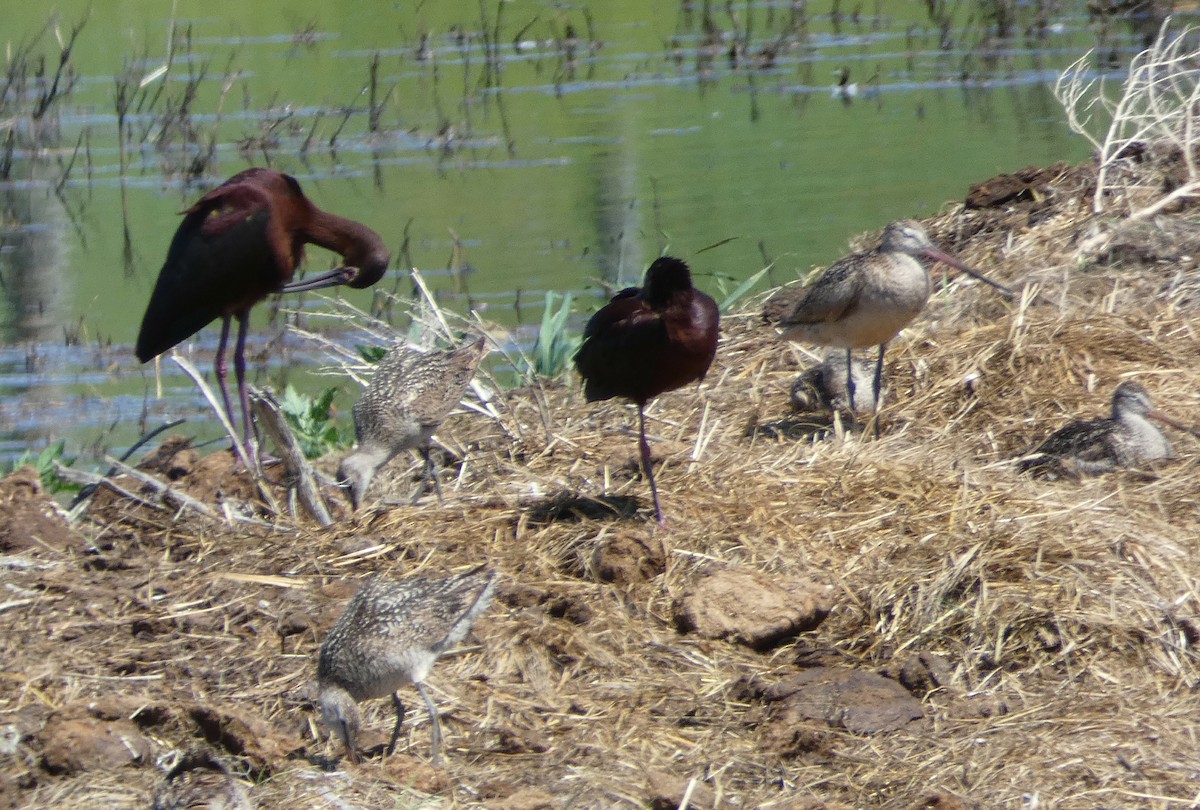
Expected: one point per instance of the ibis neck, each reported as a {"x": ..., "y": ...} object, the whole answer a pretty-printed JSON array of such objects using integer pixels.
[{"x": 358, "y": 245}]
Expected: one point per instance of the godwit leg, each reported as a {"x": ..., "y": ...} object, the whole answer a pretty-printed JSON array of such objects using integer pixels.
[
  {"x": 429, "y": 476},
  {"x": 879, "y": 375},
  {"x": 433, "y": 721},
  {"x": 878, "y": 385},
  {"x": 399, "y": 719},
  {"x": 850, "y": 385},
  {"x": 644, "y": 448}
]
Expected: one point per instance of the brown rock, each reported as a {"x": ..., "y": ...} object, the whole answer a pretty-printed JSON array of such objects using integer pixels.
[
  {"x": 74, "y": 744},
  {"x": 173, "y": 459},
  {"x": 978, "y": 706},
  {"x": 665, "y": 791},
  {"x": 751, "y": 607},
  {"x": 793, "y": 736},
  {"x": 243, "y": 734},
  {"x": 924, "y": 672},
  {"x": 861, "y": 702},
  {"x": 404, "y": 769},
  {"x": 573, "y": 610},
  {"x": 10, "y": 796},
  {"x": 1028, "y": 184},
  {"x": 514, "y": 740}
]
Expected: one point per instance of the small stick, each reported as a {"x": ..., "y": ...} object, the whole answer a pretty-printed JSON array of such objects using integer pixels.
[
  {"x": 97, "y": 480},
  {"x": 191, "y": 371},
  {"x": 300, "y": 471},
  {"x": 87, "y": 492},
  {"x": 164, "y": 490}
]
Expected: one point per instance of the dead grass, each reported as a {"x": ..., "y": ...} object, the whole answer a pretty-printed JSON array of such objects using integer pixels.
[{"x": 1066, "y": 611}]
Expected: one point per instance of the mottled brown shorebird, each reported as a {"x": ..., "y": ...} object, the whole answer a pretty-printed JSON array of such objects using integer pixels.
[
  {"x": 824, "y": 386},
  {"x": 648, "y": 340},
  {"x": 1126, "y": 438},
  {"x": 200, "y": 781},
  {"x": 865, "y": 299},
  {"x": 409, "y": 395},
  {"x": 390, "y": 635}
]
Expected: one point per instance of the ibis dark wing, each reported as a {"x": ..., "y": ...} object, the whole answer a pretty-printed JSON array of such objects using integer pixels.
[
  {"x": 220, "y": 262},
  {"x": 620, "y": 350}
]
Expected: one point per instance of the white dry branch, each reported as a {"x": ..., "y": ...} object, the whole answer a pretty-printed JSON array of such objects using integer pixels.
[{"x": 1158, "y": 105}]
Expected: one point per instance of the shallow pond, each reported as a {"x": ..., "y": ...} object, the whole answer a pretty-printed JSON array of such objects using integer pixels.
[{"x": 504, "y": 148}]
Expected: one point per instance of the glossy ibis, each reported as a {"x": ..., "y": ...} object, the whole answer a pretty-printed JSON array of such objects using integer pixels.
[
  {"x": 648, "y": 340},
  {"x": 238, "y": 244}
]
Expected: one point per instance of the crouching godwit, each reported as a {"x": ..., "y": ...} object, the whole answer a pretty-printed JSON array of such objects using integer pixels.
[
  {"x": 865, "y": 299},
  {"x": 824, "y": 386},
  {"x": 649, "y": 340},
  {"x": 390, "y": 634},
  {"x": 409, "y": 395},
  {"x": 1127, "y": 438}
]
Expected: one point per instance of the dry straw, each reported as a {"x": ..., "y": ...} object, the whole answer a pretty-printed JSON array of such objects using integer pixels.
[{"x": 1066, "y": 612}]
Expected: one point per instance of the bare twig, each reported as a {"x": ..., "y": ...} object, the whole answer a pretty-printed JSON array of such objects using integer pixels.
[
  {"x": 198, "y": 379},
  {"x": 1159, "y": 104},
  {"x": 300, "y": 471},
  {"x": 165, "y": 491}
]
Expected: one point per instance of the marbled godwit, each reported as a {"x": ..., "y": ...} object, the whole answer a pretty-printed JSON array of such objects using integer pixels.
[
  {"x": 390, "y": 634},
  {"x": 823, "y": 386},
  {"x": 649, "y": 340},
  {"x": 1126, "y": 438},
  {"x": 866, "y": 299},
  {"x": 239, "y": 243},
  {"x": 409, "y": 395},
  {"x": 200, "y": 780}
]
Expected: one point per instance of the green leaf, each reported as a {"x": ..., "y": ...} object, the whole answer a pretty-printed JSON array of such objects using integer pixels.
[
  {"x": 740, "y": 290},
  {"x": 372, "y": 354}
]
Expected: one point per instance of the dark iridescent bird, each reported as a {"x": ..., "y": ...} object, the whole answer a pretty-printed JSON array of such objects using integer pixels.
[
  {"x": 390, "y": 635},
  {"x": 409, "y": 395},
  {"x": 238, "y": 244},
  {"x": 648, "y": 340},
  {"x": 1126, "y": 438},
  {"x": 865, "y": 299}
]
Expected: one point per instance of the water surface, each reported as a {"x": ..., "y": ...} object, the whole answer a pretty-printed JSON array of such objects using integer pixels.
[{"x": 527, "y": 146}]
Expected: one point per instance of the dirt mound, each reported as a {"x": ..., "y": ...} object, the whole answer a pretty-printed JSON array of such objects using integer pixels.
[
  {"x": 30, "y": 519},
  {"x": 975, "y": 638}
]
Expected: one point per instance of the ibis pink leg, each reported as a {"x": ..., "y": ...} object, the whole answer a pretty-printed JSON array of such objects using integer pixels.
[{"x": 647, "y": 467}]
